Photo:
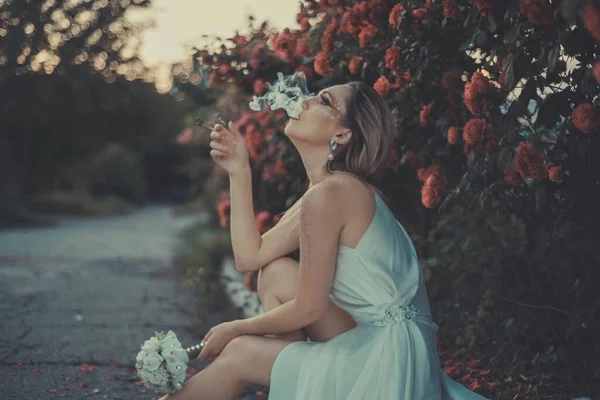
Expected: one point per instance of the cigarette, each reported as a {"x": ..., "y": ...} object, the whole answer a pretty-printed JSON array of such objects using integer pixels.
[{"x": 212, "y": 128}]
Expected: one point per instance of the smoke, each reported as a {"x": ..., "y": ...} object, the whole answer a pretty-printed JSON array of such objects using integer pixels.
[{"x": 287, "y": 93}]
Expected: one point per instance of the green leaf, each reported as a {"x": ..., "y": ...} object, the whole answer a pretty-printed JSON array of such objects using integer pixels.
[
  {"x": 481, "y": 38},
  {"x": 492, "y": 23},
  {"x": 467, "y": 43},
  {"x": 512, "y": 34},
  {"x": 500, "y": 51},
  {"x": 553, "y": 56}
]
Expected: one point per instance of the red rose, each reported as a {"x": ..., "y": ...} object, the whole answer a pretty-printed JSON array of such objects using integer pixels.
[
  {"x": 392, "y": 56},
  {"x": 530, "y": 163},
  {"x": 591, "y": 19},
  {"x": 481, "y": 83},
  {"x": 366, "y": 34},
  {"x": 350, "y": 23},
  {"x": 596, "y": 71},
  {"x": 585, "y": 118},
  {"x": 323, "y": 64},
  {"x": 432, "y": 190},
  {"x": 474, "y": 131},
  {"x": 453, "y": 134},
  {"x": 423, "y": 174},
  {"x": 471, "y": 99},
  {"x": 512, "y": 177},
  {"x": 429, "y": 197},
  {"x": 355, "y": 65},
  {"x": 555, "y": 174},
  {"x": 327, "y": 43},
  {"x": 263, "y": 221},
  {"x": 395, "y": 17},
  {"x": 328, "y": 35},
  {"x": 383, "y": 86},
  {"x": 474, "y": 94},
  {"x": 424, "y": 114}
]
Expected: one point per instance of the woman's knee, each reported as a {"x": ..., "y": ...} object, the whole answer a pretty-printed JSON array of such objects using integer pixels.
[
  {"x": 276, "y": 274},
  {"x": 235, "y": 346}
]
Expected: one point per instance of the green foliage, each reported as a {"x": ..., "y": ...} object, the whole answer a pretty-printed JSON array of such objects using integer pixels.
[
  {"x": 72, "y": 84},
  {"x": 118, "y": 170},
  {"x": 510, "y": 192}
]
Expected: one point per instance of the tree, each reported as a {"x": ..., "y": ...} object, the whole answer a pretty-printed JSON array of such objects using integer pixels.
[{"x": 72, "y": 83}]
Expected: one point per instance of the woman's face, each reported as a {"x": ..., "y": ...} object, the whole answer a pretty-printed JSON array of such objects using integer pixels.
[{"x": 321, "y": 118}]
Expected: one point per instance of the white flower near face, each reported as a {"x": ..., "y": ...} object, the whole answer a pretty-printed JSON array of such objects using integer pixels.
[{"x": 152, "y": 362}]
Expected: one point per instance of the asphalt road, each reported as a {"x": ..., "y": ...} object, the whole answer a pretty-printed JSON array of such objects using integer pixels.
[{"x": 78, "y": 299}]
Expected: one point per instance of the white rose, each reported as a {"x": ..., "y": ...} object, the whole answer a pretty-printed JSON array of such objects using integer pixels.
[
  {"x": 169, "y": 340},
  {"x": 151, "y": 345},
  {"x": 141, "y": 356},
  {"x": 152, "y": 362},
  {"x": 145, "y": 375},
  {"x": 179, "y": 378},
  {"x": 158, "y": 378},
  {"x": 176, "y": 360}
]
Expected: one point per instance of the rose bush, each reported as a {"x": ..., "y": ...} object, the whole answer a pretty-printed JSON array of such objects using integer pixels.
[{"x": 504, "y": 214}]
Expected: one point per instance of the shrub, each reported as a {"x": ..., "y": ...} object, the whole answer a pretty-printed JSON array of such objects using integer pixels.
[{"x": 496, "y": 108}]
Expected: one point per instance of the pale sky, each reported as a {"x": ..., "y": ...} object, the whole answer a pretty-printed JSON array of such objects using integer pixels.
[{"x": 182, "y": 22}]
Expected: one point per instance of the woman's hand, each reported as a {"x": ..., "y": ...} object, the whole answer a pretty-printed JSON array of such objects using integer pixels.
[
  {"x": 216, "y": 339},
  {"x": 229, "y": 148}
]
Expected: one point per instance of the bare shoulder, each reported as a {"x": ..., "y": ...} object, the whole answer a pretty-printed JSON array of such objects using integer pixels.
[
  {"x": 339, "y": 194},
  {"x": 351, "y": 187},
  {"x": 323, "y": 197}
]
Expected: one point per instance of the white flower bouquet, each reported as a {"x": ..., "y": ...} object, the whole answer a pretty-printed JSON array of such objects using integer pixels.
[{"x": 162, "y": 362}]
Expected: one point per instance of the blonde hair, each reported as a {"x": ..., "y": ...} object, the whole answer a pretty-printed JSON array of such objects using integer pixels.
[
  {"x": 366, "y": 155},
  {"x": 373, "y": 128}
]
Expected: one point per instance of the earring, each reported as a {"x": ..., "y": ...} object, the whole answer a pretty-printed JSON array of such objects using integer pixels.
[{"x": 332, "y": 147}]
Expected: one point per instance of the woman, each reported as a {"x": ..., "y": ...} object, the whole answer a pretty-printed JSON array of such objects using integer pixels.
[{"x": 358, "y": 292}]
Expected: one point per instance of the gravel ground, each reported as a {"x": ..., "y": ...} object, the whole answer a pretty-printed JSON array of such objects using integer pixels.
[{"x": 78, "y": 299}]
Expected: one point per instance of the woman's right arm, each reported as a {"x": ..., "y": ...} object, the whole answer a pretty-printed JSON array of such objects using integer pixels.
[{"x": 250, "y": 250}]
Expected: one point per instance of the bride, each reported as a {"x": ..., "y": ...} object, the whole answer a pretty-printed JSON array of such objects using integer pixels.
[{"x": 357, "y": 293}]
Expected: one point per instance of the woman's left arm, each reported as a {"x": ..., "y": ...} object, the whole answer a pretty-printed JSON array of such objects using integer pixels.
[{"x": 320, "y": 226}]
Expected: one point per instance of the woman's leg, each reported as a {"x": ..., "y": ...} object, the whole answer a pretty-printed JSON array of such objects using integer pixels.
[
  {"x": 249, "y": 358},
  {"x": 277, "y": 285},
  {"x": 246, "y": 359}
]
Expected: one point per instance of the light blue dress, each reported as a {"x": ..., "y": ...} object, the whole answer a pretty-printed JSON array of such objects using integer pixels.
[{"x": 391, "y": 354}]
